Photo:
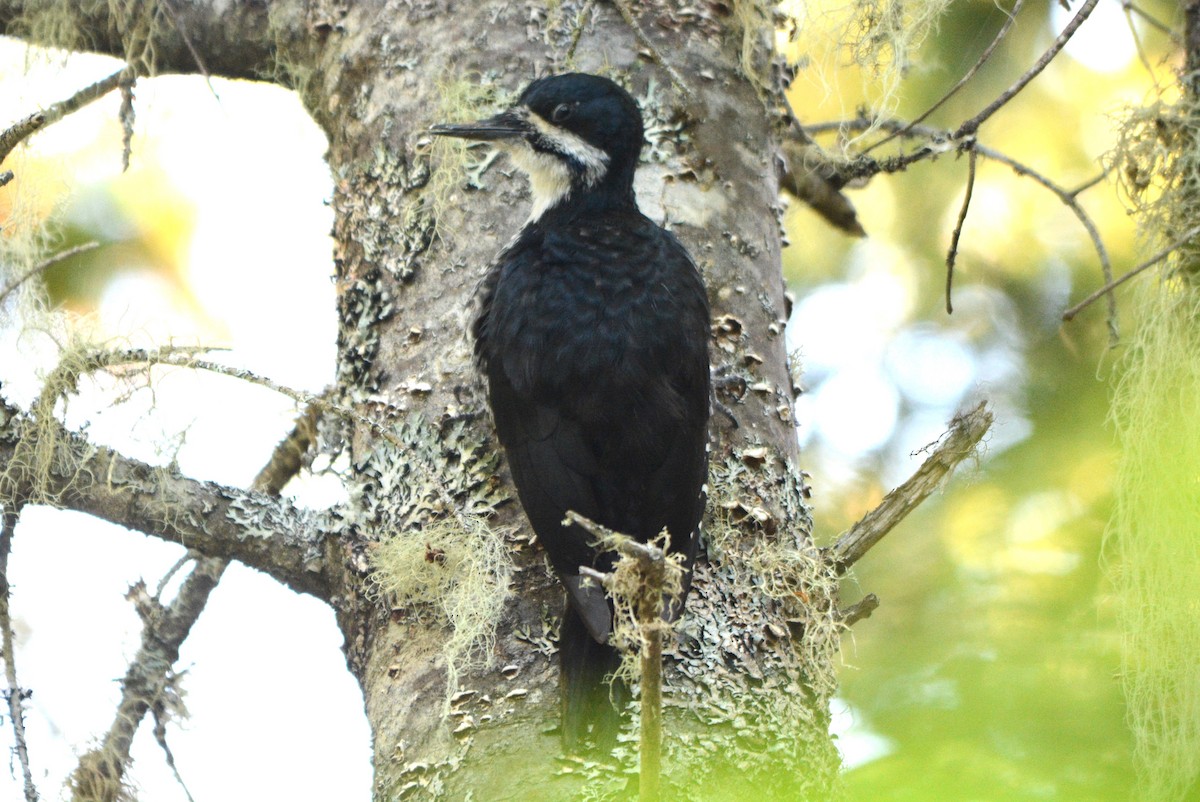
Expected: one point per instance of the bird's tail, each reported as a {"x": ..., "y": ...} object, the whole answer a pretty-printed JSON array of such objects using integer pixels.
[{"x": 591, "y": 705}]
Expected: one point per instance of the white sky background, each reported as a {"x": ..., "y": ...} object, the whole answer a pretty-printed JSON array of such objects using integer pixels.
[{"x": 274, "y": 712}]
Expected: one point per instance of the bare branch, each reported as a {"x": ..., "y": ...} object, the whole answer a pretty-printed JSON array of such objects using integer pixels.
[
  {"x": 180, "y": 357},
  {"x": 1151, "y": 20},
  {"x": 960, "y": 442},
  {"x": 859, "y": 610},
  {"x": 810, "y": 176},
  {"x": 88, "y": 94},
  {"x": 236, "y": 40},
  {"x": 14, "y": 694},
  {"x": 126, "y": 116},
  {"x": 952, "y": 254},
  {"x": 651, "y": 579},
  {"x": 268, "y": 534},
  {"x": 61, "y": 256},
  {"x": 972, "y": 125},
  {"x": 577, "y": 32},
  {"x": 1112, "y": 285},
  {"x": 23, "y": 129},
  {"x": 18, "y": 132},
  {"x": 100, "y": 773},
  {"x": 939, "y": 138},
  {"x": 968, "y": 75},
  {"x": 187, "y": 41}
]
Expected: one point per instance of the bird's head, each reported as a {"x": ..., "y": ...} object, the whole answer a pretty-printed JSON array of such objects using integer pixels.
[{"x": 573, "y": 134}]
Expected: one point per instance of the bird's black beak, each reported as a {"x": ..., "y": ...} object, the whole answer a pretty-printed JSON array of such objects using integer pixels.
[{"x": 506, "y": 125}]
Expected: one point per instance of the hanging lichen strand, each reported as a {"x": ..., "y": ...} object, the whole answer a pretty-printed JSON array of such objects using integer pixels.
[{"x": 1154, "y": 537}]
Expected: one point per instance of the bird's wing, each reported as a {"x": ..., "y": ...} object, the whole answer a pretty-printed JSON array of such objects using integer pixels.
[{"x": 603, "y": 408}]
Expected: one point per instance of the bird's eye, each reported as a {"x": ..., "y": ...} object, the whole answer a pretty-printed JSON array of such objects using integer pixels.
[{"x": 562, "y": 112}]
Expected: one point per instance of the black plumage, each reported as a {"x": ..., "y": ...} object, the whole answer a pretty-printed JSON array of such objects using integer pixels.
[{"x": 593, "y": 336}]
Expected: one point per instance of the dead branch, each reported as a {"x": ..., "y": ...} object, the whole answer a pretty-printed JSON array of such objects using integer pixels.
[
  {"x": 23, "y": 129},
  {"x": 100, "y": 773},
  {"x": 1152, "y": 21},
  {"x": 127, "y": 116},
  {"x": 809, "y": 175},
  {"x": 14, "y": 694},
  {"x": 236, "y": 40},
  {"x": 969, "y": 128},
  {"x": 89, "y": 94},
  {"x": 651, "y": 569},
  {"x": 1070, "y": 199},
  {"x": 967, "y": 76},
  {"x": 810, "y": 178},
  {"x": 938, "y": 140},
  {"x": 859, "y": 610},
  {"x": 269, "y": 534},
  {"x": 956, "y": 445},
  {"x": 1112, "y": 285},
  {"x": 19, "y": 131},
  {"x": 952, "y": 254}
]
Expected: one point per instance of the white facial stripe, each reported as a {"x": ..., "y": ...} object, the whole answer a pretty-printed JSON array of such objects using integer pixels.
[
  {"x": 549, "y": 178},
  {"x": 593, "y": 160}
]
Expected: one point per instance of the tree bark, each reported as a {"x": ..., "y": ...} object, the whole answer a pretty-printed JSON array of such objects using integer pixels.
[{"x": 748, "y": 680}]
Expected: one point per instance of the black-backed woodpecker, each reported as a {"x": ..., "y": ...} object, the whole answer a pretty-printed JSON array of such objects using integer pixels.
[{"x": 592, "y": 333}]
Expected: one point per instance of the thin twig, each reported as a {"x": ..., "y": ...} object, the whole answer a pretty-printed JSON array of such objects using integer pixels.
[
  {"x": 987, "y": 54},
  {"x": 56, "y": 111},
  {"x": 1069, "y": 198},
  {"x": 956, "y": 445},
  {"x": 15, "y": 695},
  {"x": 187, "y": 42},
  {"x": 1151, "y": 20},
  {"x": 1137, "y": 40},
  {"x": 1091, "y": 182},
  {"x": 577, "y": 34},
  {"x": 61, "y": 256},
  {"x": 972, "y": 125},
  {"x": 1112, "y": 285},
  {"x": 160, "y": 736},
  {"x": 22, "y": 130},
  {"x": 952, "y": 254},
  {"x": 127, "y": 116},
  {"x": 644, "y": 40},
  {"x": 171, "y": 572},
  {"x": 179, "y": 357}
]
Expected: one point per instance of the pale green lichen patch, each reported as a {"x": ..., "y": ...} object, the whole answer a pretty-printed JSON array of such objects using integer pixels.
[
  {"x": 1153, "y": 536},
  {"x": 762, "y": 607},
  {"x": 430, "y": 493}
]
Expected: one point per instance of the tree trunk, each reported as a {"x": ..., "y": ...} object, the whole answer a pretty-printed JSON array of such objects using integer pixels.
[{"x": 433, "y": 550}]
